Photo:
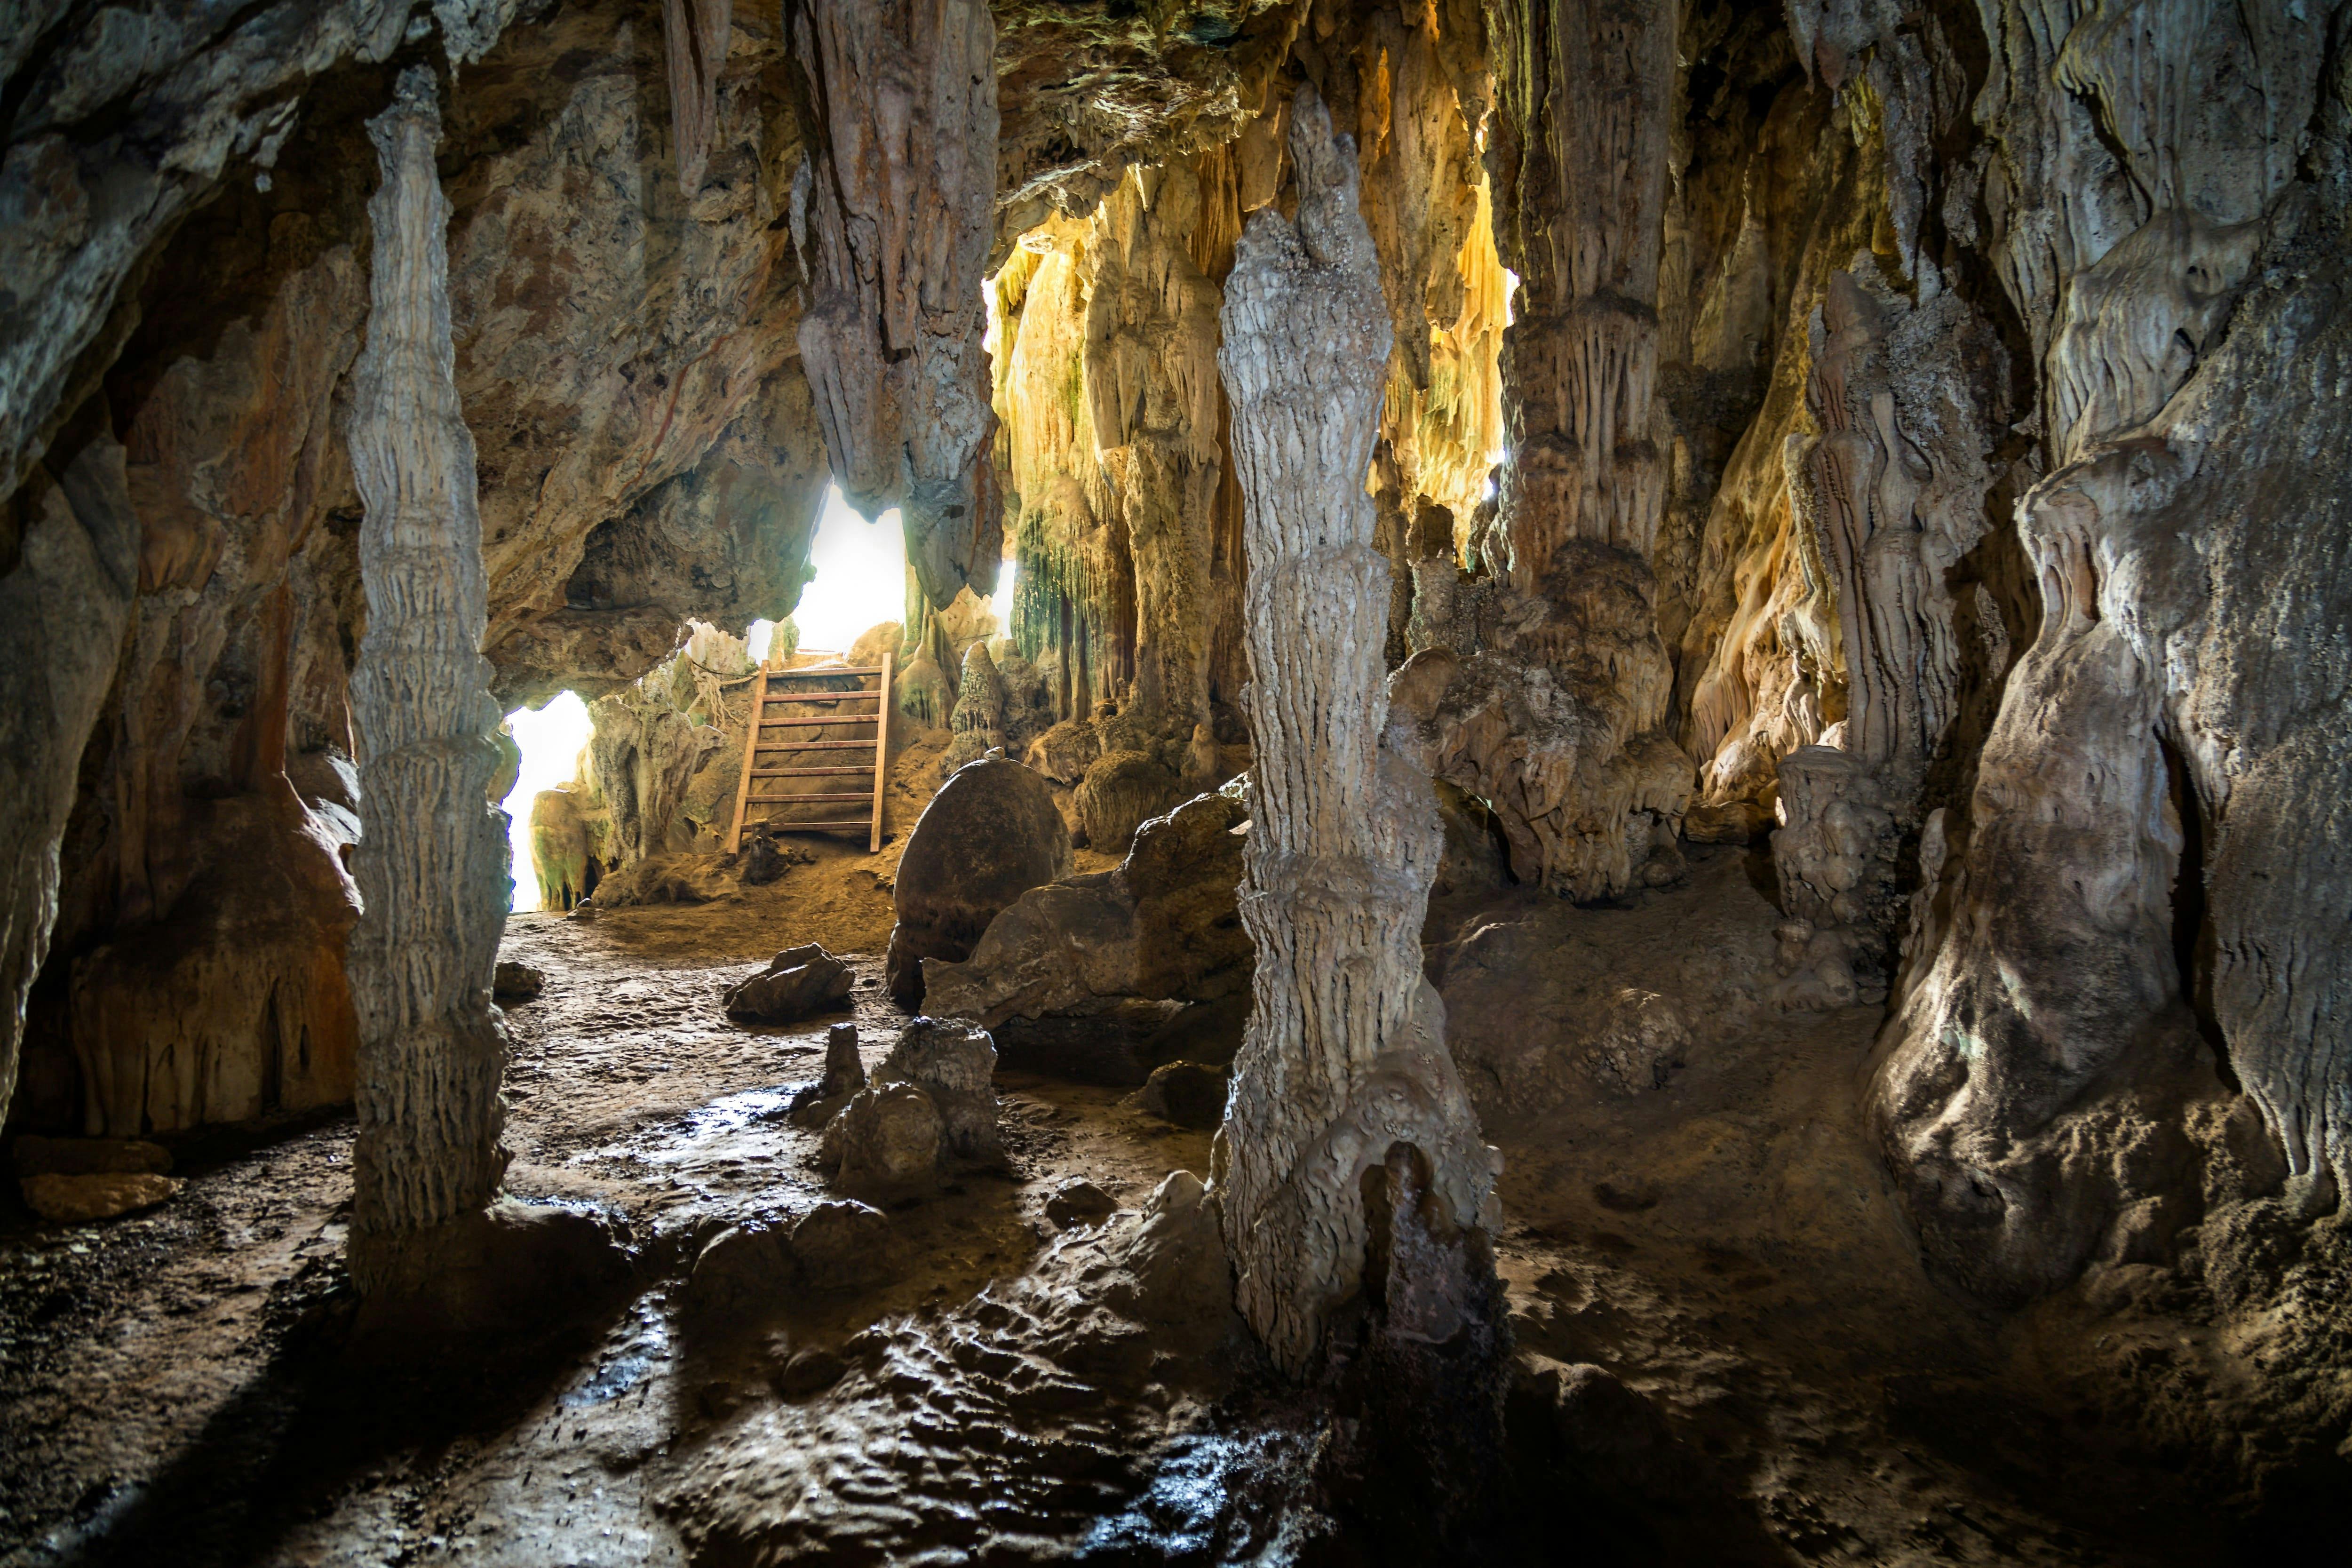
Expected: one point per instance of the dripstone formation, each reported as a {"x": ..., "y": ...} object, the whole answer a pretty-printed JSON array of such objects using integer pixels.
[
  {"x": 1343, "y": 1074},
  {"x": 431, "y": 867}
]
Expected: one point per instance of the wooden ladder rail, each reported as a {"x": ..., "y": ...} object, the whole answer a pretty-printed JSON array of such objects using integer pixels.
[{"x": 879, "y": 746}]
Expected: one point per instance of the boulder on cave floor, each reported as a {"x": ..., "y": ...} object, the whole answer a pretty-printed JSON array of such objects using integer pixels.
[
  {"x": 885, "y": 1141},
  {"x": 1053, "y": 949},
  {"x": 989, "y": 835},
  {"x": 77, "y": 1200},
  {"x": 955, "y": 1063},
  {"x": 931, "y": 1105},
  {"x": 798, "y": 982},
  {"x": 1082, "y": 978},
  {"x": 1188, "y": 1094},
  {"x": 516, "y": 982}
]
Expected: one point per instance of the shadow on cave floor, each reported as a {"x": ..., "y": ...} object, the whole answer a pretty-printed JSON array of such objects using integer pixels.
[{"x": 1732, "y": 1355}]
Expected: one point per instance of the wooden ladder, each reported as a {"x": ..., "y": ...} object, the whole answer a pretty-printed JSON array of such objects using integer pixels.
[{"x": 755, "y": 747}]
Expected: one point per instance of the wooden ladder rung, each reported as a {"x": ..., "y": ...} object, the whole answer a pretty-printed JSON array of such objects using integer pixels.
[
  {"x": 814, "y": 746},
  {"x": 861, "y": 824},
  {"x": 804, "y": 772},
  {"x": 811, "y": 799},
  {"x": 810, "y": 723},
  {"x": 822, "y": 697},
  {"x": 820, "y": 672}
]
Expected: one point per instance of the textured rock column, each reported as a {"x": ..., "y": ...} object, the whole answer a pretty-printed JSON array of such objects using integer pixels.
[
  {"x": 64, "y": 609},
  {"x": 433, "y": 864},
  {"x": 1560, "y": 720},
  {"x": 1584, "y": 89},
  {"x": 892, "y": 215},
  {"x": 1343, "y": 1074}
]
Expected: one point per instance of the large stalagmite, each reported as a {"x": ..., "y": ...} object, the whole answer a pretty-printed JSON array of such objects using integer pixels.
[
  {"x": 433, "y": 863},
  {"x": 1351, "y": 1162}
]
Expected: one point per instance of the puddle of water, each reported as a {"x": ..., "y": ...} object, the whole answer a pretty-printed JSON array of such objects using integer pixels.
[
  {"x": 1214, "y": 1497},
  {"x": 622, "y": 1366}
]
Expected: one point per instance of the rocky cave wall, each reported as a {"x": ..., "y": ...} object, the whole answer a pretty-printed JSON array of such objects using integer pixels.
[{"x": 627, "y": 363}]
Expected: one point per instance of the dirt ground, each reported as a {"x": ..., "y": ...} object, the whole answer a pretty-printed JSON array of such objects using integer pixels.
[{"x": 173, "y": 1387}]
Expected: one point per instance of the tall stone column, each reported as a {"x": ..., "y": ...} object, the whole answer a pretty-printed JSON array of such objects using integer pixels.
[
  {"x": 1350, "y": 1167},
  {"x": 433, "y": 863}
]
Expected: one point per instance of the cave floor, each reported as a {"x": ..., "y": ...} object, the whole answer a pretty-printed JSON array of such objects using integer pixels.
[{"x": 172, "y": 1388}]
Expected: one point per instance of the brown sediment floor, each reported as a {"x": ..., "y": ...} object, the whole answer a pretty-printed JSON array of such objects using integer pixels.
[{"x": 171, "y": 1390}]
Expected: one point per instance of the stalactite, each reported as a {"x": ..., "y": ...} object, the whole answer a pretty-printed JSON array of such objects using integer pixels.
[
  {"x": 892, "y": 215},
  {"x": 1344, "y": 1074},
  {"x": 1584, "y": 91},
  {"x": 696, "y": 31},
  {"x": 433, "y": 863}
]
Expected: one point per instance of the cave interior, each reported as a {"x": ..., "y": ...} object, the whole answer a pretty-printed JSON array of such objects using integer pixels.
[{"x": 1322, "y": 781}]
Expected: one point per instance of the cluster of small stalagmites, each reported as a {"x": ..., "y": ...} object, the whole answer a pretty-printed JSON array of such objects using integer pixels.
[{"x": 929, "y": 1109}]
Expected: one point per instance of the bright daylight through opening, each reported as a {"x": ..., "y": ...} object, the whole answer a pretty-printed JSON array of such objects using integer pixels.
[{"x": 551, "y": 740}]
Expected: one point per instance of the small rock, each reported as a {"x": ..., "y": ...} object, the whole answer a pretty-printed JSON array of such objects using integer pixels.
[
  {"x": 745, "y": 1266},
  {"x": 812, "y": 1370},
  {"x": 843, "y": 1246},
  {"x": 74, "y": 1200},
  {"x": 815, "y": 1104},
  {"x": 1186, "y": 1093},
  {"x": 767, "y": 861},
  {"x": 513, "y": 982},
  {"x": 887, "y": 1138},
  {"x": 797, "y": 981},
  {"x": 1078, "y": 1202},
  {"x": 37, "y": 1156},
  {"x": 955, "y": 1064},
  {"x": 844, "y": 1070},
  {"x": 585, "y": 910}
]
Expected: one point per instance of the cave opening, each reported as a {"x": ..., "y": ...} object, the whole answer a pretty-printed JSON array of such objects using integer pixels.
[
  {"x": 554, "y": 739},
  {"x": 859, "y": 575}
]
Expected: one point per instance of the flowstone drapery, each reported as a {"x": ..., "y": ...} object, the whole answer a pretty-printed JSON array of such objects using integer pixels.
[
  {"x": 432, "y": 865},
  {"x": 1349, "y": 1166}
]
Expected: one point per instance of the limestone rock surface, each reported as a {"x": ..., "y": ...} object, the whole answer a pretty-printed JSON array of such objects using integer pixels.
[
  {"x": 955, "y": 1064},
  {"x": 887, "y": 1139}
]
